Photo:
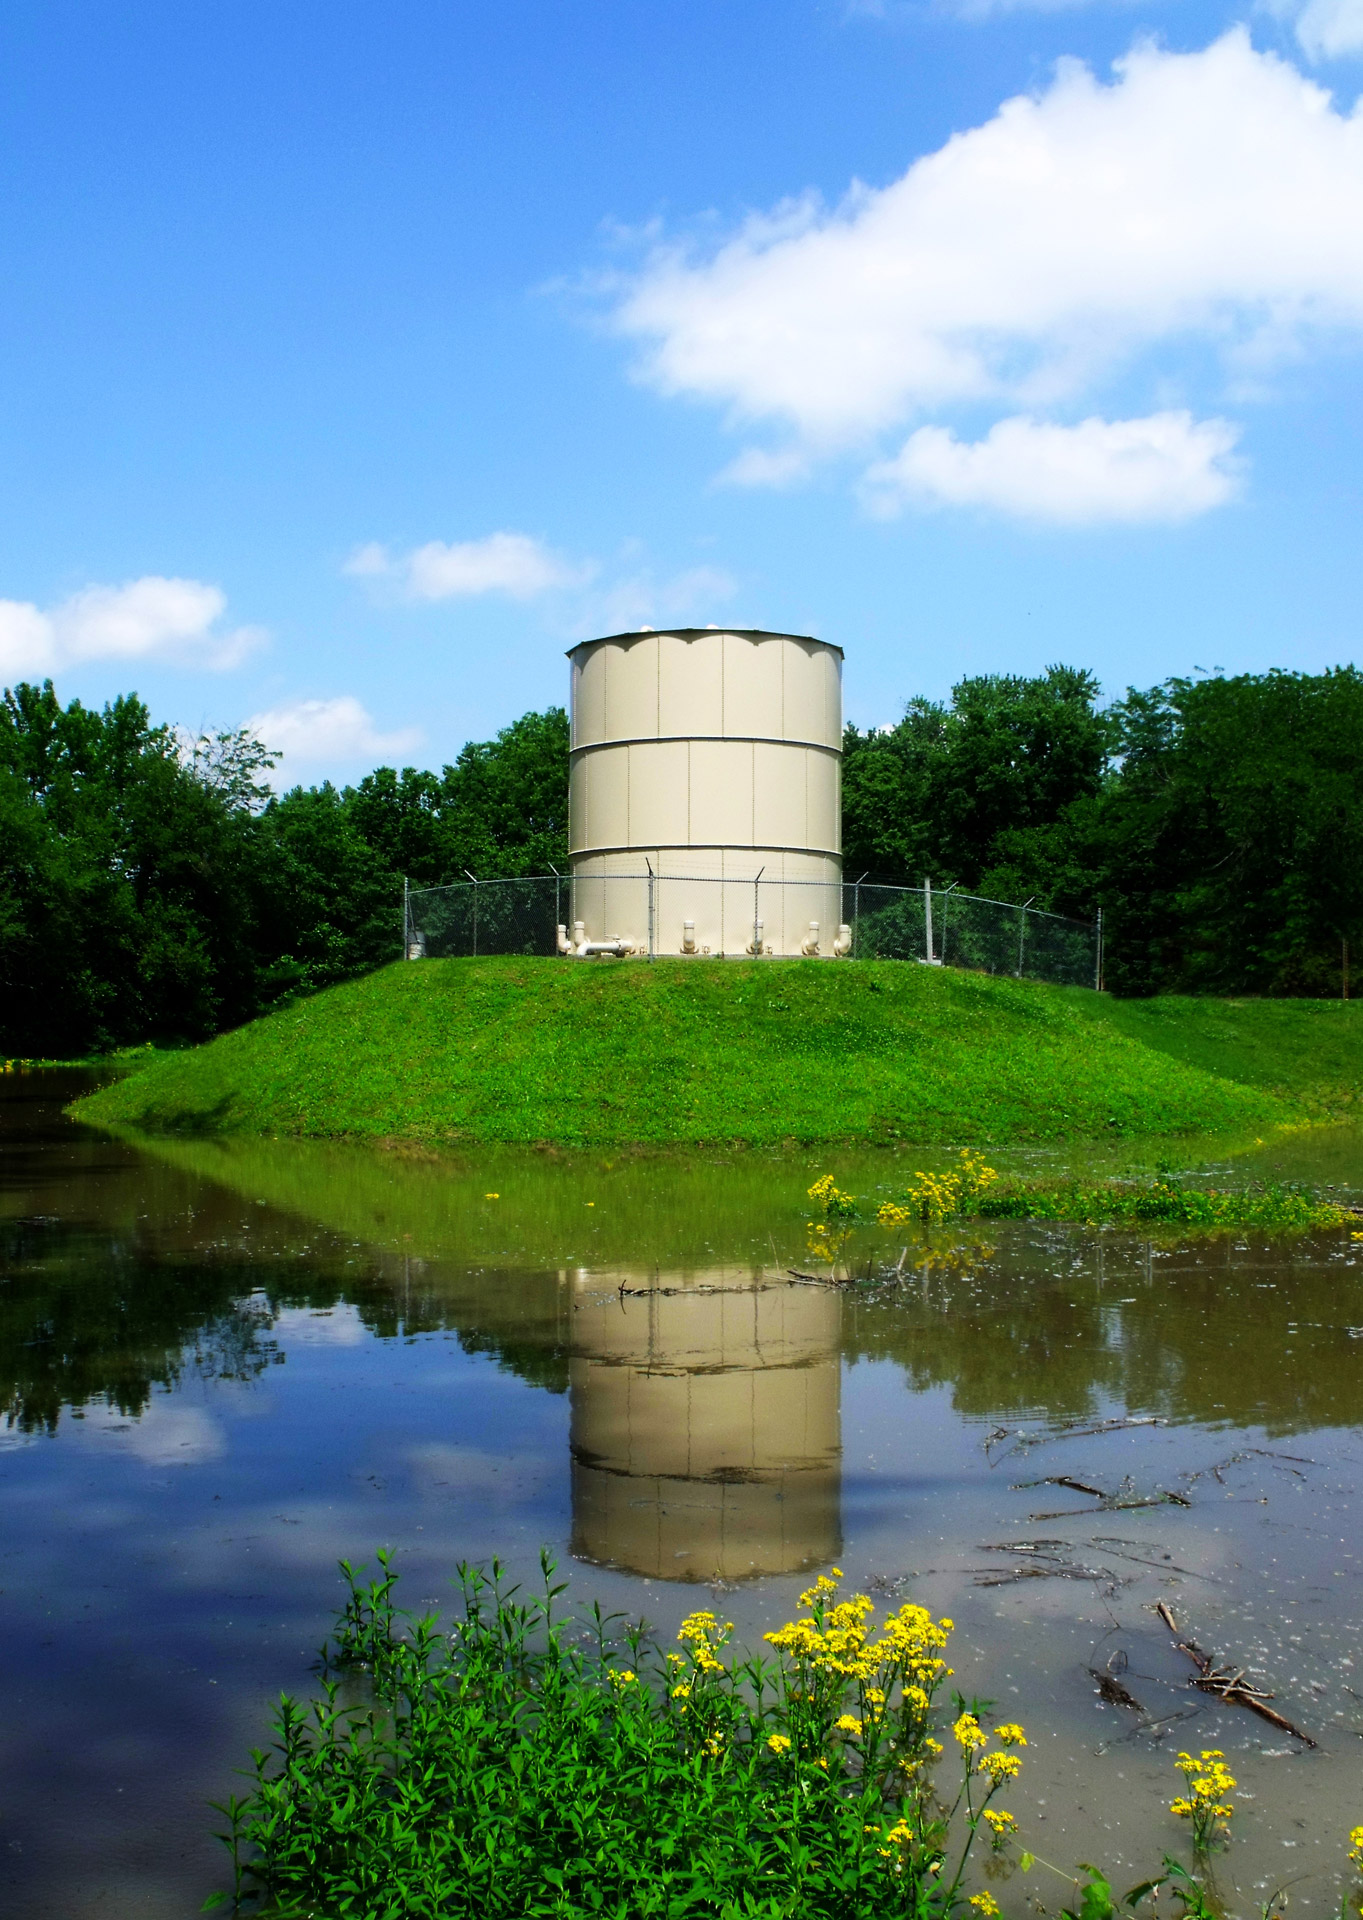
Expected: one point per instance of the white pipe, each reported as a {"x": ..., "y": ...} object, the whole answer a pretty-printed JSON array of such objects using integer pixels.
[
  {"x": 618, "y": 946},
  {"x": 688, "y": 944},
  {"x": 755, "y": 944},
  {"x": 809, "y": 946},
  {"x": 565, "y": 945},
  {"x": 842, "y": 946}
]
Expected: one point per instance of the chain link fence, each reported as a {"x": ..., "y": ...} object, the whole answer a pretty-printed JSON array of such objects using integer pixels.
[{"x": 641, "y": 915}]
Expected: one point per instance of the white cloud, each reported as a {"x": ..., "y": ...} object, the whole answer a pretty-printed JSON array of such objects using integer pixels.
[
  {"x": 338, "y": 732},
  {"x": 165, "y": 1434},
  {"x": 510, "y": 563},
  {"x": 765, "y": 467},
  {"x": 1212, "y": 199},
  {"x": 1166, "y": 467},
  {"x": 150, "y": 618},
  {"x": 639, "y": 600},
  {"x": 1329, "y": 28}
]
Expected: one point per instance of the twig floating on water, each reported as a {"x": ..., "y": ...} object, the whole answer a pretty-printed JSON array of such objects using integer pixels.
[
  {"x": 1229, "y": 1683},
  {"x": 1112, "y": 1690},
  {"x": 1025, "y": 1437},
  {"x": 1059, "y": 1480}
]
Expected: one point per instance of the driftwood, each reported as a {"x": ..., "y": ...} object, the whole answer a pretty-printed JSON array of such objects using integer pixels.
[
  {"x": 1111, "y": 1689},
  {"x": 1116, "y": 1503},
  {"x": 1048, "y": 1560},
  {"x": 1025, "y": 1437},
  {"x": 1059, "y": 1480},
  {"x": 1250, "y": 1453},
  {"x": 1229, "y": 1683}
]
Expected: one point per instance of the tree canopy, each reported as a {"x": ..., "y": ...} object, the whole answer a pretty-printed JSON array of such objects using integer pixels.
[{"x": 153, "y": 887}]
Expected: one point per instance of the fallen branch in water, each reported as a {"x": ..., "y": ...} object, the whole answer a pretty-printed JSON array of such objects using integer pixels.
[
  {"x": 1112, "y": 1690},
  {"x": 1025, "y": 1437},
  {"x": 1052, "y": 1560},
  {"x": 1116, "y": 1503},
  {"x": 1229, "y": 1683}
]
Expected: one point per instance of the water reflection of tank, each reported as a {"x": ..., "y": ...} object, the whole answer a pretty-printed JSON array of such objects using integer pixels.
[{"x": 705, "y": 1424}]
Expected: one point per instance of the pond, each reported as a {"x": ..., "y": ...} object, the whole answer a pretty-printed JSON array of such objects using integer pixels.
[{"x": 226, "y": 1366}]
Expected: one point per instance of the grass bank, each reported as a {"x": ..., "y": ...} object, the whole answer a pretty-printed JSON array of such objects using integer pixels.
[{"x": 530, "y": 1051}]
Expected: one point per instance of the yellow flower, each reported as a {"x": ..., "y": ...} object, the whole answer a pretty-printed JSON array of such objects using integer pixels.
[
  {"x": 1010, "y": 1735},
  {"x": 624, "y": 1678},
  {"x": 1002, "y": 1823},
  {"x": 1001, "y": 1766},
  {"x": 681, "y": 1693},
  {"x": 1356, "y": 1846},
  {"x": 874, "y": 1697},
  {"x": 969, "y": 1733},
  {"x": 848, "y": 1724},
  {"x": 986, "y": 1903},
  {"x": 779, "y": 1742}
]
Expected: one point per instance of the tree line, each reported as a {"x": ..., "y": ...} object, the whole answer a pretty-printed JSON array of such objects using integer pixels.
[{"x": 153, "y": 887}]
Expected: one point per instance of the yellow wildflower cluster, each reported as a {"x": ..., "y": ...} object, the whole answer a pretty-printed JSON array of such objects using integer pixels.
[
  {"x": 935, "y": 1197},
  {"x": 1206, "y": 1802},
  {"x": 972, "y": 1739},
  {"x": 779, "y": 1742},
  {"x": 835, "y": 1640},
  {"x": 1356, "y": 1847},
  {"x": 831, "y": 1201},
  {"x": 703, "y": 1635},
  {"x": 969, "y": 1733},
  {"x": 1000, "y": 1824},
  {"x": 986, "y": 1904}
]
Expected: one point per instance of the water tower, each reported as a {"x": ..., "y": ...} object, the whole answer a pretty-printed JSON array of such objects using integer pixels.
[{"x": 712, "y": 758}]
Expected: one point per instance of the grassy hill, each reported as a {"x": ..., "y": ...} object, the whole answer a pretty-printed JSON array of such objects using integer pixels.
[{"x": 764, "y": 1053}]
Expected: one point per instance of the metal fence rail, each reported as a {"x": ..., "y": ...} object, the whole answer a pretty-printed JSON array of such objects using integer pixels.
[{"x": 936, "y": 926}]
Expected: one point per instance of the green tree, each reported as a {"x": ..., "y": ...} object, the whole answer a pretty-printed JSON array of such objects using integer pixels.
[
  {"x": 981, "y": 791},
  {"x": 1230, "y": 851}
]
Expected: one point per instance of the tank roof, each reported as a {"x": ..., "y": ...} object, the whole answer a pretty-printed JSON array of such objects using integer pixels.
[{"x": 688, "y": 633}]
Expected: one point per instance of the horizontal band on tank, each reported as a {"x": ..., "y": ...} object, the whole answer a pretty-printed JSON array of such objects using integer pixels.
[
  {"x": 708, "y": 846},
  {"x": 702, "y": 633},
  {"x": 672, "y": 739}
]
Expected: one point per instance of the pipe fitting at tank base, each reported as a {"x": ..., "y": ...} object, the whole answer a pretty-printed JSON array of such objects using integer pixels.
[
  {"x": 842, "y": 946},
  {"x": 809, "y": 946},
  {"x": 688, "y": 944},
  {"x": 619, "y": 947},
  {"x": 755, "y": 945}
]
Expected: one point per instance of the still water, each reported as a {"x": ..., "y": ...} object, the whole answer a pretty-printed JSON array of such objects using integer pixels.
[{"x": 225, "y": 1367}]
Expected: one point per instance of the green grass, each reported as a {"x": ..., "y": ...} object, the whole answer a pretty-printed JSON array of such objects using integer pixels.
[
  {"x": 1309, "y": 1050},
  {"x": 766, "y": 1054}
]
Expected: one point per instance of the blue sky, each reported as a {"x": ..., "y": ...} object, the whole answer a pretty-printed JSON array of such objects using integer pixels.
[{"x": 356, "y": 360}]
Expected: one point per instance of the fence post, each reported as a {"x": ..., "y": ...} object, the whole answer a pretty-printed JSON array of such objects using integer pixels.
[
  {"x": 1098, "y": 955},
  {"x": 927, "y": 916},
  {"x": 856, "y": 917},
  {"x": 756, "y": 915},
  {"x": 406, "y": 917},
  {"x": 652, "y": 883},
  {"x": 1022, "y": 932},
  {"x": 475, "y": 913}
]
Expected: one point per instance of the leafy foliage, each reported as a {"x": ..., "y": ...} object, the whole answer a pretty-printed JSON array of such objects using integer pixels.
[
  {"x": 519, "y": 1766},
  {"x": 155, "y": 888}
]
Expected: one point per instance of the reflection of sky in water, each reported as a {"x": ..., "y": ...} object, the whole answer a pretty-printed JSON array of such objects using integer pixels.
[{"x": 216, "y": 1399}]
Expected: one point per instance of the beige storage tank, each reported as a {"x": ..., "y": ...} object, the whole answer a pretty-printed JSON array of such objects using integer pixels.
[
  {"x": 705, "y": 1424},
  {"x": 714, "y": 758}
]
